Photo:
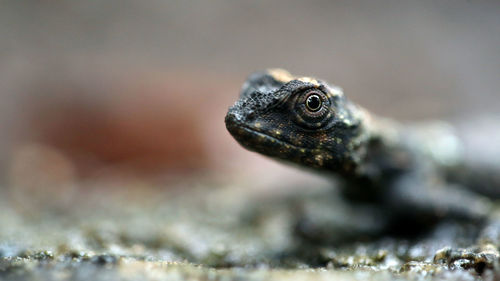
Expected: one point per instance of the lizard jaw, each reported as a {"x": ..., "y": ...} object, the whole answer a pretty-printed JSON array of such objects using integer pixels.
[{"x": 254, "y": 140}]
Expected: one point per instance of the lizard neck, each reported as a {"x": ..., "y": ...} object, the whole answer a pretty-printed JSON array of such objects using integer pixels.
[
  {"x": 379, "y": 151},
  {"x": 377, "y": 155}
]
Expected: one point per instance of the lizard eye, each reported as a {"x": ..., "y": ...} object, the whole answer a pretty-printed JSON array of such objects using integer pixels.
[
  {"x": 312, "y": 109},
  {"x": 313, "y": 102}
]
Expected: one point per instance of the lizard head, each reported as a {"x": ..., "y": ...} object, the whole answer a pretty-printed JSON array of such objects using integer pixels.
[{"x": 297, "y": 119}]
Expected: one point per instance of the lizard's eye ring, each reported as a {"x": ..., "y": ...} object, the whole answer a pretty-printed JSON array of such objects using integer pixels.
[
  {"x": 313, "y": 102},
  {"x": 312, "y": 109}
]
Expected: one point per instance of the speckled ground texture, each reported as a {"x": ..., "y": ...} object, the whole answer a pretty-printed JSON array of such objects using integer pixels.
[{"x": 216, "y": 232}]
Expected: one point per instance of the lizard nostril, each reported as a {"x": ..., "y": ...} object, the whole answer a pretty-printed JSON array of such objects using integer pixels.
[{"x": 250, "y": 115}]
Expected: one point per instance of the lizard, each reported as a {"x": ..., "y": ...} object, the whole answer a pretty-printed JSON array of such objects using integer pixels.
[{"x": 401, "y": 169}]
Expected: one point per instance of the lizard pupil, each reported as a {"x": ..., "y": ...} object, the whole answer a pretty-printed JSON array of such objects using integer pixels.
[{"x": 313, "y": 102}]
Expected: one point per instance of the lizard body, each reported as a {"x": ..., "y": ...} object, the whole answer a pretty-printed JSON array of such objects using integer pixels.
[{"x": 311, "y": 123}]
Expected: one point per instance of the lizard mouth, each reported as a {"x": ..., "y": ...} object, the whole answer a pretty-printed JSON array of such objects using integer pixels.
[{"x": 257, "y": 141}]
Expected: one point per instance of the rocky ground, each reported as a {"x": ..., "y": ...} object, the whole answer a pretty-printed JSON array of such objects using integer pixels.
[{"x": 225, "y": 233}]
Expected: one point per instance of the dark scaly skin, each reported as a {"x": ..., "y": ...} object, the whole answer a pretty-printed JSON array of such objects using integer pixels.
[
  {"x": 401, "y": 169},
  {"x": 268, "y": 119}
]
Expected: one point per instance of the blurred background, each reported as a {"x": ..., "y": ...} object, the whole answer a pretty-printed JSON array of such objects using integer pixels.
[{"x": 133, "y": 91}]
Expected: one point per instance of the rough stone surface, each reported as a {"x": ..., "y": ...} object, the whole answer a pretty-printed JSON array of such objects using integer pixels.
[{"x": 223, "y": 233}]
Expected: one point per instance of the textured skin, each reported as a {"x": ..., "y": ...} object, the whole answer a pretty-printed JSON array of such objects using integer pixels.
[{"x": 400, "y": 169}]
